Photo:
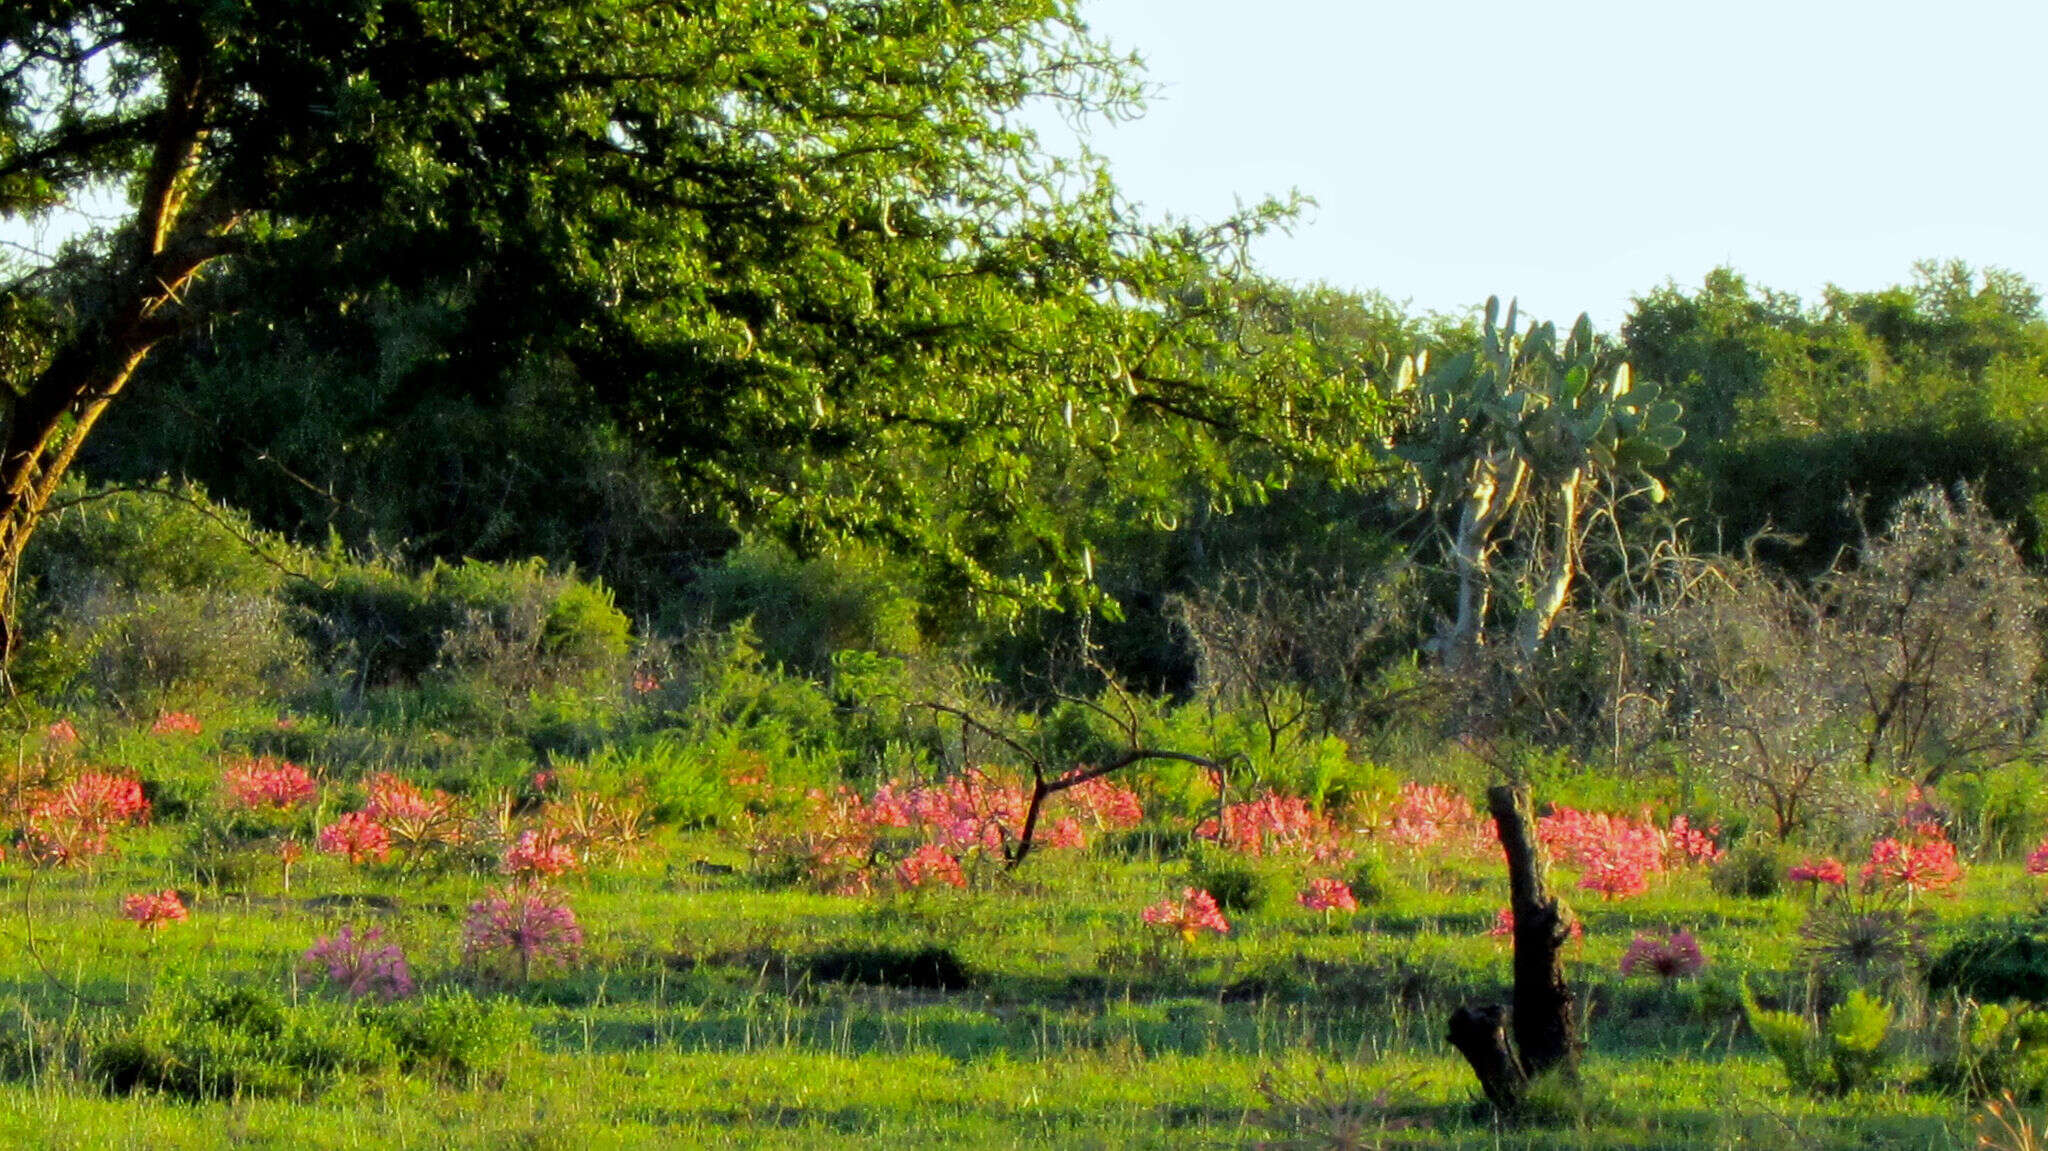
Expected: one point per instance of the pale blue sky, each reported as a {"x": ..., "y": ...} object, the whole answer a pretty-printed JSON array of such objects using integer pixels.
[{"x": 1577, "y": 153}]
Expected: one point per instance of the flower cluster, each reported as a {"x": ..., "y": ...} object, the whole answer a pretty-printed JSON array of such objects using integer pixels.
[
  {"x": 1680, "y": 955},
  {"x": 1105, "y": 803},
  {"x": 1827, "y": 870},
  {"x": 358, "y": 836},
  {"x": 62, "y": 734},
  {"x": 1920, "y": 861},
  {"x": 1276, "y": 824},
  {"x": 1426, "y": 815},
  {"x": 970, "y": 810},
  {"x": 175, "y": 723},
  {"x": 930, "y": 864},
  {"x": 154, "y": 911},
  {"x": 513, "y": 930},
  {"x": 1327, "y": 895},
  {"x": 538, "y": 855},
  {"x": 75, "y": 823},
  {"x": 2037, "y": 863},
  {"x": 268, "y": 784},
  {"x": 1194, "y": 913},
  {"x": 1616, "y": 855},
  {"x": 357, "y": 967}
]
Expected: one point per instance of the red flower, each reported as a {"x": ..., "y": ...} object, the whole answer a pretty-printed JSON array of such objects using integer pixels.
[
  {"x": 268, "y": 783},
  {"x": 63, "y": 734},
  {"x": 1328, "y": 895},
  {"x": 154, "y": 912},
  {"x": 175, "y": 723},
  {"x": 538, "y": 855},
  {"x": 358, "y": 836},
  {"x": 1195, "y": 913},
  {"x": 2037, "y": 863},
  {"x": 1926, "y": 862},
  {"x": 930, "y": 864},
  {"x": 1819, "y": 871}
]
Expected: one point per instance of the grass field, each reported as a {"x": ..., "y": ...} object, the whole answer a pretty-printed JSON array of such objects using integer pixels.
[{"x": 706, "y": 1009}]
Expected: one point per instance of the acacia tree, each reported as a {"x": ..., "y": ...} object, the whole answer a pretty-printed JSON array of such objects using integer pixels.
[{"x": 786, "y": 247}]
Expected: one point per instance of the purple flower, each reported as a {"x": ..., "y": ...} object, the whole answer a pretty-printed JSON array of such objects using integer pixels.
[
  {"x": 514, "y": 928},
  {"x": 355, "y": 966},
  {"x": 1670, "y": 958}
]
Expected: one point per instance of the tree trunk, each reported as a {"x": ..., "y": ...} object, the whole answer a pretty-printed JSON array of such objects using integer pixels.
[
  {"x": 166, "y": 245},
  {"x": 1554, "y": 588},
  {"x": 1490, "y": 497},
  {"x": 1542, "y": 1021}
]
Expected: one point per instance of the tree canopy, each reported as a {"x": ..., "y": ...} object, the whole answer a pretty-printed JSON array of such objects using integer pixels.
[{"x": 807, "y": 256}]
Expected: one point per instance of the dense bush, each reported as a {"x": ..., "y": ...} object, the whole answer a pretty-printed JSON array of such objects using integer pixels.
[
  {"x": 508, "y": 628},
  {"x": 1994, "y": 962}
]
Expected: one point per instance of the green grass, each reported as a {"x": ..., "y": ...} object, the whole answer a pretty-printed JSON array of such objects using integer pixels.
[{"x": 695, "y": 1018}]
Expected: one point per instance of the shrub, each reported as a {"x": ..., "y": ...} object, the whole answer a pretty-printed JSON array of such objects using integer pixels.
[
  {"x": 1844, "y": 1055},
  {"x": 1996, "y": 962},
  {"x": 804, "y": 611},
  {"x": 1372, "y": 881},
  {"x": 512, "y": 627},
  {"x": 451, "y": 1035},
  {"x": 226, "y": 1043},
  {"x": 1750, "y": 871},
  {"x": 1235, "y": 886},
  {"x": 1995, "y": 1051}
]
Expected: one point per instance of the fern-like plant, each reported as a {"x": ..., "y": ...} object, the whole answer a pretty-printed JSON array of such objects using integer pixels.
[{"x": 1844, "y": 1054}]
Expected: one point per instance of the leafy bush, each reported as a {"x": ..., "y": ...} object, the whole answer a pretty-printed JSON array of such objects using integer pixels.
[
  {"x": 1996, "y": 962},
  {"x": 1372, "y": 881},
  {"x": 1233, "y": 885},
  {"x": 805, "y": 611},
  {"x": 1846, "y": 1053},
  {"x": 452, "y": 1035},
  {"x": 225, "y": 1043},
  {"x": 512, "y": 626},
  {"x": 1751, "y": 870},
  {"x": 1995, "y": 1051}
]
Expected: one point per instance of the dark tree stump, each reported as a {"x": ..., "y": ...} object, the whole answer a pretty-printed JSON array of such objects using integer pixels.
[
  {"x": 1542, "y": 1020},
  {"x": 1480, "y": 1035}
]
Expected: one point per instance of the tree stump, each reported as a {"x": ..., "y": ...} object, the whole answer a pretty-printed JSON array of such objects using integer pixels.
[{"x": 1541, "y": 1020}]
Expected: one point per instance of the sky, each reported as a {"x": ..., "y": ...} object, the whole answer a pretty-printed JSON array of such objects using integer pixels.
[{"x": 1576, "y": 154}]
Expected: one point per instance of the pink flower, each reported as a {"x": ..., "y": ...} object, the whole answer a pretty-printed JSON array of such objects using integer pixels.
[
  {"x": 1062, "y": 833},
  {"x": 1666, "y": 958},
  {"x": 75, "y": 823},
  {"x": 538, "y": 855},
  {"x": 2037, "y": 863},
  {"x": 1108, "y": 804},
  {"x": 175, "y": 723},
  {"x": 355, "y": 966},
  {"x": 1819, "y": 871},
  {"x": 1275, "y": 823},
  {"x": 930, "y": 864},
  {"x": 1926, "y": 862},
  {"x": 266, "y": 783},
  {"x": 1327, "y": 895},
  {"x": 154, "y": 911},
  {"x": 517, "y": 928},
  {"x": 63, "y": 734},
  {"x": 1195, "y": 913},
  {"x": 358, "y": 836},
  {"x": 1425, "y": 815}
]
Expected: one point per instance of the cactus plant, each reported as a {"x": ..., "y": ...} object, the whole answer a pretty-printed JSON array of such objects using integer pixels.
[{"x": 1510, "y": 437}]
